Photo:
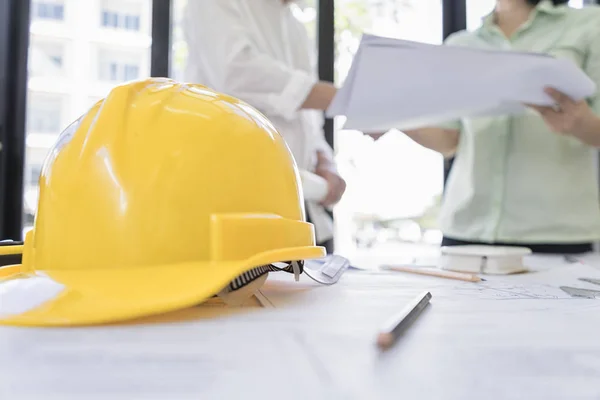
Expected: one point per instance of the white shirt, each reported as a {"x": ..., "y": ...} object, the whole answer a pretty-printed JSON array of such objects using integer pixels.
[{"x": 257, "y": 51}]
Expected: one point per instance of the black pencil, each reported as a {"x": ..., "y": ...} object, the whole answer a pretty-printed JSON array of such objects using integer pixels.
[{"x": 398, "y": 324}]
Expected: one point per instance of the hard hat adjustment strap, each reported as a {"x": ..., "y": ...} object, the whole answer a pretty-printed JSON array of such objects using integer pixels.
[{"x": 292, "y": 267}]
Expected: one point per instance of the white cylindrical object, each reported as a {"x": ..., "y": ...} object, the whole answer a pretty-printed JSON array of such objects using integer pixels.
[
  {"x": 493, "y": 260},
  {"x": 314, "y": 187}
]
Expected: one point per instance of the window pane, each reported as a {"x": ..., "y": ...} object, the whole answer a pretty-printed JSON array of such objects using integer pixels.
[
  {"x": 403, "y": 202},
  {"x": 73, "y": 63},
  {"x": 59, "y": 12},
  {"x": 114, "y": 72},
  {"x": 132, "y": 22},
  {"x": 179, "y": 47},
  {"x": 124, "y": 14},
  {"x": 34, "y": 173},
  {"x": 105, "y": 18},
  {"x": 115, "y": 65},
  {"x": 394, "y": 185},
  {"x": 476, "y": 10},
  {"x": 42, "y": 10},
  {"x": 48, "y": 9},
  {"x": 44, "y": 112},
  {"x": 576, "y": 3},
  {"x": 46, "y": 57},
  {"x": 131, "y": 72}
]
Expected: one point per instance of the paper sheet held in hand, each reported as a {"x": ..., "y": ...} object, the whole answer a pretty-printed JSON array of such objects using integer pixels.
[{"x": 401, "y": 84}]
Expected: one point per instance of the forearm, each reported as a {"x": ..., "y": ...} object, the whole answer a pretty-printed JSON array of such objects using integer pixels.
[
  {"x": 320, "y": 96},
  {"x": 444, "y": 141}
]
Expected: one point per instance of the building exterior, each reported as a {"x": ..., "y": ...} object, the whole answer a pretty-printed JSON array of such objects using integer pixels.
[{"x": 78, "y": 51}]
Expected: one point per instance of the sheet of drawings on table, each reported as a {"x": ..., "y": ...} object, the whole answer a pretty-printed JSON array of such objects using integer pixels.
[{"x": 550, "y": 277}]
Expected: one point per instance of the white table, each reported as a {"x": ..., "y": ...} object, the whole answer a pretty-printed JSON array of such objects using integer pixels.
[{"x": 502, "y": 340}]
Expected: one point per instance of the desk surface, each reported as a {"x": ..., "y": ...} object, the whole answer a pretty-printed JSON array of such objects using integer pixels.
[{"x": 516, "y": 337}]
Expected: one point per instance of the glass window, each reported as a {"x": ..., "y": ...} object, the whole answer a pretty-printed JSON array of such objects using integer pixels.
[
  {"x": 111, "y": 19},
  {"x": 179, "y": 52},
  {"x": 378, "y": 212},
  {"x": 114, "y": 74},
  {"x": 121, "y": 14},
  {"x": 57, "y": 60},
  {"x": 577, "y": 3},
  {"x": 65, "y": 67},
  {"x": 114, "y": 20},
  {"x": 59, "y": 12},
  {"x": 44, "y": 113},
  {"x": 118, "y": 66},
  {"x": 48, "y": 10},
  {"x": 132, "y": 22},
  {"x": 34, "y": 174},
  {"x": 131, "y": 72},
  {"x": 30, "y": 192},
  {"x": 46, "y": 57},
  {"x": 93, "y": 100},
  {"x": 394, "y": 185},
  {"x": 106, "y": 18},
  {"x": 476, "y": 10}
]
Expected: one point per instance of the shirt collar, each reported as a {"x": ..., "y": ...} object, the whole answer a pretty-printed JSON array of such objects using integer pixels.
[{"x": 543, "y": 7}]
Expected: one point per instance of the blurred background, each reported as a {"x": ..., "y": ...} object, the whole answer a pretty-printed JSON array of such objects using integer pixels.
[{"x": 76, "y": 50}]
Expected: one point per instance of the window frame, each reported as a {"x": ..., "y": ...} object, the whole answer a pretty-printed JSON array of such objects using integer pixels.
[{"x": 14, "y": 43}]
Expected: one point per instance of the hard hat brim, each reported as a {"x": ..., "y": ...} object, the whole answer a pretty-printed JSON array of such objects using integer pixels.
[{"x": 95, "y": 297}]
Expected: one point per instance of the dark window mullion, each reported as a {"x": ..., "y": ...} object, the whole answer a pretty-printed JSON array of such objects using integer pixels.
[
  {"x": 454, "y": 19},
  {"x": 326, "y": 51},
  {"x": 14, "y": 46},
  {"x": 161, "y": 38}
]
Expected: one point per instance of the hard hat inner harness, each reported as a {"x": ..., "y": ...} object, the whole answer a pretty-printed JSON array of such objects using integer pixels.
[
  {"x": 326, "y": 271},
  {"x": 292, "y": 267}
]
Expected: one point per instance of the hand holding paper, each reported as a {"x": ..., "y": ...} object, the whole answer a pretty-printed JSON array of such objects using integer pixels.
[{"x": 570, "y": 117}]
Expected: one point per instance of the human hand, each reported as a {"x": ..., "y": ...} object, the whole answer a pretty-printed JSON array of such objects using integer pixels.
[{"x": 567, "y": 117}]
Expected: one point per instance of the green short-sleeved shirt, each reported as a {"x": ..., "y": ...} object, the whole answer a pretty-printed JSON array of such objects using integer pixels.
[{"x": 514, "y": 180}]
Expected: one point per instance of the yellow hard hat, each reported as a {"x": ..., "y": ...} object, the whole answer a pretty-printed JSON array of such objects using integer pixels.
[{"x": 162, "y": 195}]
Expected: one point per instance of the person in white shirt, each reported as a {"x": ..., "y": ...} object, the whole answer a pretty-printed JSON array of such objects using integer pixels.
[{"x": 257, "y": 51}]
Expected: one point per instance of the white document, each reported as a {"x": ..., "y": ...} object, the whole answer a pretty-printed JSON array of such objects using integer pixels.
[{"x": 401, "y": 84}]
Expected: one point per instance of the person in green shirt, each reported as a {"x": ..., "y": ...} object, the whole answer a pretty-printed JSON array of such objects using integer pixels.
[{"x": 528, "y": 180}]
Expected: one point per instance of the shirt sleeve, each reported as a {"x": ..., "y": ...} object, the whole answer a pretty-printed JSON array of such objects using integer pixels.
[
  {"x": 220, "y": 36},
  {"x": 317, "y": 120},
  {"x": 323, "y": 146}
]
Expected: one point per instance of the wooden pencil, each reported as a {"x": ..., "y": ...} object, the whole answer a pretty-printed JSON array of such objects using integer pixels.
[
  {"x": 435, "y": 272},
  {"x": 399, "y": 323}
]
